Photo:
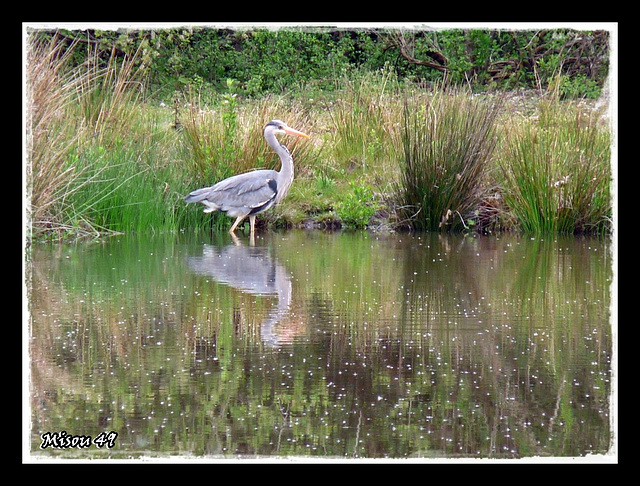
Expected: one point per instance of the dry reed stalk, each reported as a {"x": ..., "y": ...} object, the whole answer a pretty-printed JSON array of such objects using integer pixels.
[{"x": 50, "y": 89}]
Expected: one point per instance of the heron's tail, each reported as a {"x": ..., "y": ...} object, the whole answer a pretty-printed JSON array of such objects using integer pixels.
[{"x": 198, "y": 195}]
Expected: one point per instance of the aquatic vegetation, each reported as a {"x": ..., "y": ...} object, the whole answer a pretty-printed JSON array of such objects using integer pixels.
[{"x": 365, "y": 120}]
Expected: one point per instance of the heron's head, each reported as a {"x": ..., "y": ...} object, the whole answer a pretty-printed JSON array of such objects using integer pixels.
[{"x": 279, "y": 127}]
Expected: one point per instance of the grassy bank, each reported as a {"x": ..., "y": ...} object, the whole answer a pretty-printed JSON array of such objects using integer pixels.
[{"x": 104, "y": 157}]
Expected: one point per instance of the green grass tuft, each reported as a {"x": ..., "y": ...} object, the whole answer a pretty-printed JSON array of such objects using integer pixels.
[
  {"x": 557, "y": 170},
  {"x": 448, "y": 142}
]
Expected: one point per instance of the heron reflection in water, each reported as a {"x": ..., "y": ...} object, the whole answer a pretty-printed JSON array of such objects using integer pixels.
[
  {"x": 253, "y": 271},
  {"x": 253, "y": 192}
]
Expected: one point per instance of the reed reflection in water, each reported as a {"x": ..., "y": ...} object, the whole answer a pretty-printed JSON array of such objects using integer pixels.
[{"x": 326, "y": 345}]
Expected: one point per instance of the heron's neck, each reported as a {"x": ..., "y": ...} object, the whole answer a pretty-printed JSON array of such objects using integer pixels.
[{"x": 286, "y": 169}]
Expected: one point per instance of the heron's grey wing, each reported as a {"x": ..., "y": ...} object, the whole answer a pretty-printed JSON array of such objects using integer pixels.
[{"x": 251, "y": 190}]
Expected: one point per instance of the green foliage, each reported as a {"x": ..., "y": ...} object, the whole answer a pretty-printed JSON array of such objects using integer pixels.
[
  {"x": 357, "y": 208},
  {"x": 579, "y": 86},
  {"x": 262, "y": 60},
  {"x": 120, "y": 188}
]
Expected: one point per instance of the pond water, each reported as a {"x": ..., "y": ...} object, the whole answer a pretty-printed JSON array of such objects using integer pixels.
[{"x": 323, "y": 345}]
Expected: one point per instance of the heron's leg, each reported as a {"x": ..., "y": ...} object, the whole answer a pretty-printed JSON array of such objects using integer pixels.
[
  {"x": 235, "y": 225},
  {"x": 252, "y": 222}
]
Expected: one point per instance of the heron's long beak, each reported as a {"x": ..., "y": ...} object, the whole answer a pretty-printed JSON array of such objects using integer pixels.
[{"x": 291, "y": 131}]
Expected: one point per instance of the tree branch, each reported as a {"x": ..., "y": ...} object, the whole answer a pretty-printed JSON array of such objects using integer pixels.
[{"x": 406, "y": 48}]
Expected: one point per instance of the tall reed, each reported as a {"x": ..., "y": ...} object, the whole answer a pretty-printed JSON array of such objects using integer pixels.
[
  {"x": 98, "y": 160},
  {"x": 134, "y": 184},
  {"x": 228, "y": 139},
  {"x": 365, "y": 120},
  {"x": 557, "y": 170},
  {"x": 50, "y": 141},
  {"x": 447, "y": 143},
  {"x": 108, "y": 92}
]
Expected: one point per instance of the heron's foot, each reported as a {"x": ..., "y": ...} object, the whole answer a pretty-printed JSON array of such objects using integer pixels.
[{"x": 236, "y": 240}]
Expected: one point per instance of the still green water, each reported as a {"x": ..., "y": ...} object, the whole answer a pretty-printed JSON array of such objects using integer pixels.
[{"x": 333, "y": 345}]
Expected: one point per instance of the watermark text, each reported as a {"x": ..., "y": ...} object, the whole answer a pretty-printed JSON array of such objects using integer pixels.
[{"x": 62, "y": 440}]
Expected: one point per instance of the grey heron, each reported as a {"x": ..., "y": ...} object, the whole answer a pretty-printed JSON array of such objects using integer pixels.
[{"x": 253, "y": 192}]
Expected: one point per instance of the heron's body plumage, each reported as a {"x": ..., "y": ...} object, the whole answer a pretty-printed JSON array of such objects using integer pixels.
[{"x": 239, "y": 195}]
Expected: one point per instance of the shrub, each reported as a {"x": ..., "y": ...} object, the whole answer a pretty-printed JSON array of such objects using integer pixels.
[
  {"x": 267, "y": 60},
  {"x": 357, "y": 208}
]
